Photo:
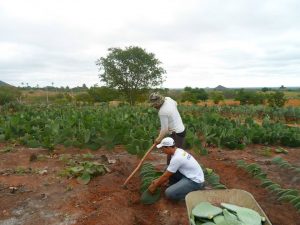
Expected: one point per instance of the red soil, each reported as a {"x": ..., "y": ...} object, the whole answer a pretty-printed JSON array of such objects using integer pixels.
[{"x": 51, "y": 199}]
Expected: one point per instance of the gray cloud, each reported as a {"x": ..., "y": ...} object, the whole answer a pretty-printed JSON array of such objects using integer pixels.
[{"x": 199, "y": 42}]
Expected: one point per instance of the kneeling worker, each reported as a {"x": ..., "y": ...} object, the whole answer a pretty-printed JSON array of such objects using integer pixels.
[{"x": 183, "y": 173}]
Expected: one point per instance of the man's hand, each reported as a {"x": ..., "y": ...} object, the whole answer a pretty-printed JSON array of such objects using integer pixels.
[
  {"x": 165, "y": 183},
  {"x": 159, "y": 181},
  {"x": 157, "y": 141},
  {"x": 152, "y": 187}
]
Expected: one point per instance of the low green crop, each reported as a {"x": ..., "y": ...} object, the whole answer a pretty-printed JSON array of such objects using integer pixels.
[
  {"x": 284, "y": 164},
  {"x": 213, "y": 178},
  {"x": 288, "y": 195},
  {"x": 84, "y": 171}
]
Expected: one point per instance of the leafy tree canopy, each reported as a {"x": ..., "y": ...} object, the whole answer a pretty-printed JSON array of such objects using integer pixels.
[
  {"x": 276, "y": 99},
  {"x": 265, "y": 89},
  {"x": 217, "y": 96},
  {"x": 194, "y": 94},
  {"x": 130, "y": 70},
  {"x": 250, "y": 97},
  {"x": 103, "y": 94}
]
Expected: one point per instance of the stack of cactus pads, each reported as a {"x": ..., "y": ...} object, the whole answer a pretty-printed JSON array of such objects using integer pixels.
[
  {"x": 148, "y": 174},
  {"x": 207, "y": 214}
]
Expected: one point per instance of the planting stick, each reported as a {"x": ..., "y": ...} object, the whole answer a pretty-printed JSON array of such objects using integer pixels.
[{"x": 139, "y": 165}]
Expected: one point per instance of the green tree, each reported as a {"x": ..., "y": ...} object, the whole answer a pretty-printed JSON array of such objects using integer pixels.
[
  {"x": 282, "y": 87},
  {"x": 189, "y": 96},
  {"x": 244, "y": 96},
  {"x": 84, "y": 97},
  {"x": 201, "y": 94},
  {"x": 229, "y": 94},
  {"x": 194, "y": 95},
  {"x": 250, "y": 97},
  {"x": 217, "y": 96},
  {"x": 130, "y": 70},
  {"x": 258, "y": 98},
  {"x": 103, "y": 94},
  {"x": 276, "y": 99}
]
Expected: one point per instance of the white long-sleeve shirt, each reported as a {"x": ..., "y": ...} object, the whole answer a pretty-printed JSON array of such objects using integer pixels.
[{"x": 170, "y": 119}]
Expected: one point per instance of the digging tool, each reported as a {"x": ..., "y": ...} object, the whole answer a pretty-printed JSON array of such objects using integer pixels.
[{"x": 138, "y": 166}]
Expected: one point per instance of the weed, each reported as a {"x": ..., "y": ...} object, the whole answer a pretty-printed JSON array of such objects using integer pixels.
[
  {"x": 281, "y": 150},
  {"x": 265, "y": 151},
  {"x": 65, "y": 157},
  {"x": 6, "y": 149},
  {"x": 63, "y": 173},
  {"x": 88, "y": 156},
  {"x": 84, "y": 171},
  {"x": 20, "y": 170},
  {"x": 42, "y": 157},
  {"x": 69, "y": 188}
]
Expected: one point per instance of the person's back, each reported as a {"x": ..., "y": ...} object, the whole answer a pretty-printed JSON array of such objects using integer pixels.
[
  {"x": 169, "y": 110},
  {"x": 170, "y": 120},
  {"x": 187, "y": 165}
]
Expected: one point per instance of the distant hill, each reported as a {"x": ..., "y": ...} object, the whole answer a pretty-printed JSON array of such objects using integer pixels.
[
  {"x": 220, "y": 88},
  {"x": 4, "y": 84}
]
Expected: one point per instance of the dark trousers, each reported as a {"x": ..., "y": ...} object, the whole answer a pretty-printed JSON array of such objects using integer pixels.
[
  {"x": 178, "y": 138},
  {"x": 175, "y": 178}
]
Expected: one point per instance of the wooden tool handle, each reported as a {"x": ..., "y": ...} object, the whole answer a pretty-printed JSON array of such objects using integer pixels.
[{"x": 139, "y": 165}]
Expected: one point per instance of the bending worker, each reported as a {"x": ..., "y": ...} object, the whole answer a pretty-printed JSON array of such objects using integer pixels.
[
  {"x": 183, "y": 173},
  {"x": 170, "y": 120}
]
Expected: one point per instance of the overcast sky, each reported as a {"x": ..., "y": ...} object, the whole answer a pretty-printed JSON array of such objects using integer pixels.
[{"x": 201, "y": 43}]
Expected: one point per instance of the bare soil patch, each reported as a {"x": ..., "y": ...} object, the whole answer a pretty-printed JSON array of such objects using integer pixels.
[{"x": 32, "y": 192}]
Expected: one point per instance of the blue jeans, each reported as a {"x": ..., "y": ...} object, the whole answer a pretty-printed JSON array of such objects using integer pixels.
[{"x": 178, "y": 190}]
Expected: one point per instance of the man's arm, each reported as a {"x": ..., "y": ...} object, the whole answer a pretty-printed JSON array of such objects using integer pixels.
[
  {"x": 159, "y": 181},
  {"x": 163, "y": 129}
]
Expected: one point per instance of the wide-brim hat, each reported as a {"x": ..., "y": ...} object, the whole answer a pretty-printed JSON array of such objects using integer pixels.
[{"x": 156, "y": 99}]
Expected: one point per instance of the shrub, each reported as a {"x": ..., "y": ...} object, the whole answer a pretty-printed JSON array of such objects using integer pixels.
[
  {"x": 217, "y": 96},
  {"x": 84, "y": 97},
  {"x": 276, "y": 99},
  {"x": 103, "y": 94},
  {"x": 9, "y": 94}
]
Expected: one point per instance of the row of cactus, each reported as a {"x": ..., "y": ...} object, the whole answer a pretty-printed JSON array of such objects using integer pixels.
[
  {"x": 213, "y": 179},
  {"x": 284, "y": 164},
  {"x": 287, "y": 195},
  {"x": 148, "y": 174}
]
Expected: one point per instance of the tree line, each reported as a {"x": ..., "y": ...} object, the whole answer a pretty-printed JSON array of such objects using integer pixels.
[
  {"x": 130, "y": 74},
  {"x": 106, "y": 94}
]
